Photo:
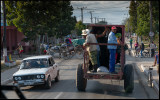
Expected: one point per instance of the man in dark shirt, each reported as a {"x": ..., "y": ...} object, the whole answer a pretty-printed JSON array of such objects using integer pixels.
[{"x": 142, "y": 49}]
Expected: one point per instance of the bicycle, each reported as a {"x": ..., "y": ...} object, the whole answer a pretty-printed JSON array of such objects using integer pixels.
[
  {"x": 146, "y": 53},
  {"x": 150, "y": 76}
]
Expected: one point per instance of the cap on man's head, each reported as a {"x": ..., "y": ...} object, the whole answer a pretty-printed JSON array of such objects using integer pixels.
[{"x": 113, "y": 27}]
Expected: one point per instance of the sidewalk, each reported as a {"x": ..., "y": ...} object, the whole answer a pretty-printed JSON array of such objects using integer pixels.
[
  {"x": 144, "y": 64},
  {"x": 6, "y": 76}
]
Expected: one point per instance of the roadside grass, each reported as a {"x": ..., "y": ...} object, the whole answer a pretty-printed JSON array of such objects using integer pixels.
[{"x": 4, "y": 67}]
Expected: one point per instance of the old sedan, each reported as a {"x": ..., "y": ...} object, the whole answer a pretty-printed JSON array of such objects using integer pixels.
[{"x": 37, "y": 70}]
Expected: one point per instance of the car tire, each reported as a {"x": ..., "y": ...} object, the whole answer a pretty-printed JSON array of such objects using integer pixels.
[
  {"x": 128, "y": 78},
  {"x": 57, "y": 77},
  {"x": 81, "y": 82},
  {"x": 48, "y": 83}
]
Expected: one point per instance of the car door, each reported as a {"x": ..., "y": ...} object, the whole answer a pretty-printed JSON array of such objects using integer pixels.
[
  {"x": 54, "y": 67},
  {"x": 51, "y": 68}
]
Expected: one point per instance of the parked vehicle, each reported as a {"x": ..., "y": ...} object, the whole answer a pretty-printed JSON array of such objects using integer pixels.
[
  {"x": 125, "y": 72},
  {"x": 37, "y": 70}
]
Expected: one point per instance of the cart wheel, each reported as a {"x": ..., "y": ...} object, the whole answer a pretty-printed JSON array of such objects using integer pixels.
[
  {"x": 128, "y": 78},
  {"x": 81, "y": 82}
]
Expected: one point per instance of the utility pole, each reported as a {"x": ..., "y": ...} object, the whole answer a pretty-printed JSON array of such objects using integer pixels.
[
  {"x": 95, "y": 19},
  {"x": 4, "y": 33},
  {"x": 150, "y": 9},
  {"x": 82, "y": 12},
  {"x": 91, "y": 16}
]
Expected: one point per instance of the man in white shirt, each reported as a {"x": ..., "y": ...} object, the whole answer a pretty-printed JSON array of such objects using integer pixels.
[{"x": 92, "y": 49}]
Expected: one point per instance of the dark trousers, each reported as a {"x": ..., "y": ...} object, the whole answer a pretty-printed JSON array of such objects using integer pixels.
[{"x": 152, "y": 52}]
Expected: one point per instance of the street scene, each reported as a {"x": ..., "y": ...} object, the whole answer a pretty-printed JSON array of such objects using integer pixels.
[{"x": 80, "y": 49}]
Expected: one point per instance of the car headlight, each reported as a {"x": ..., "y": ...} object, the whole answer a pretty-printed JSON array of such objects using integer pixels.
[
  {"x": 38, "y": 76},
  {"x": 19, "y": 78},
  {"x": 16, "y": 78},
  {"x": 42, "y": 76}
]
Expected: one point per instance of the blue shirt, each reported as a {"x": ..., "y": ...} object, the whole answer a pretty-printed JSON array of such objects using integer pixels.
[
  {"x": 112, "y": 39},
  {"x": 157, "y": 57},
  {"x": 98, "y": 48}
]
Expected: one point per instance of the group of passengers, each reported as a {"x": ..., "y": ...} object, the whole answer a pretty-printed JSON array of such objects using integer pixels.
[{"x": 94, "y": 50}]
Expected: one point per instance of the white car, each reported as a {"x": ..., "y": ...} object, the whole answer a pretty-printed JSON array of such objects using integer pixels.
[{"x": 37, "y": 70}]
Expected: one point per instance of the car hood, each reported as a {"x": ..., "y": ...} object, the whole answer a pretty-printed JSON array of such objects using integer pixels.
[{"x": 31, "y": 71}]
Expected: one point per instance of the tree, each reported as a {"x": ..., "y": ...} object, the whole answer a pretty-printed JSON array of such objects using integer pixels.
[
  {"x": 79, "y": 27},
  {"x": 133, "y": 15},
  {"x": 143, "y": 26},
  {"x": 35, "y": 18}
]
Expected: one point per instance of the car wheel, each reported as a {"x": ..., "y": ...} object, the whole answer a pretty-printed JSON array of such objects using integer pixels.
[
  {"x": 48, "y": 83},
  {"x": 57, "y": 77}
]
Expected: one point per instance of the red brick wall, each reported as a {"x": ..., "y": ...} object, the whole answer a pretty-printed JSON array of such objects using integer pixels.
[{"x": 13, "y": 36}]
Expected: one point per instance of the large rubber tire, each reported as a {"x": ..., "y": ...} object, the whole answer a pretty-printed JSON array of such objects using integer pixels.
[
  {"x": 57, "y": 77},
  {"x": 81, "y": 82},
  {"x": 128, "y": 78},
  {"x": 48, "y": 83}
]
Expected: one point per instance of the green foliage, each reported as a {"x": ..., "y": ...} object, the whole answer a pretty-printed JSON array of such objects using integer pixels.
[
  {"x": 79, "y": 27},
  {"x": 40, "y": 17},
  {"x": 133, "y": 15}
]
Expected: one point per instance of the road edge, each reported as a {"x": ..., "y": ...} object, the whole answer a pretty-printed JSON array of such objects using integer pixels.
[{"x": 155, "y": 84}]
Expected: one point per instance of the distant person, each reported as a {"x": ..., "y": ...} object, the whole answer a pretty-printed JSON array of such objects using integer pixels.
[
  {"x": 131, "y": 40},
  {"x": 142, "y": 48},
  {"x": 20, "y": 49},
  {"x": 156, "y": 62},
  {"x": 136, "y": 48},
  {"x": 152, "y": 46}
]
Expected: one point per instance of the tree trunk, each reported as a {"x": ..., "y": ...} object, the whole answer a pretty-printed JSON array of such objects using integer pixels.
[{"x": 38, "y": 44}]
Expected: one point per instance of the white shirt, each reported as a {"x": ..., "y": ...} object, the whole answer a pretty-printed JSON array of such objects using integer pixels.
[{"x": 91, "y": 39}]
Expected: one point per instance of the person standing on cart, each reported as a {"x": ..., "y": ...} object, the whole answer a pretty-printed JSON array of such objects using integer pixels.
[
  {"x": 92, "y": 49},
  {"x": 112, "y": 49}
]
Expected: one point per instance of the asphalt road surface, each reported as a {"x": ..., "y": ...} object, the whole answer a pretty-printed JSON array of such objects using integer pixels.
[{"x": 96, "y": 89}]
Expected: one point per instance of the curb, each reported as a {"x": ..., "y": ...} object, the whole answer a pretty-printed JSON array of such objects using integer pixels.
[{"x": 155, "y": 84}]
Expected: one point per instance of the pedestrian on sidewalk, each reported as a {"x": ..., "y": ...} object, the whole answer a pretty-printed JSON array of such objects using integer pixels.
[
  {"x": 136, "y": 47},
  {"x": 131, "y": 40},
  {"x": 156, "y": 62},
  {"x": 152, "y": 46},
  {"x": 20, "y": 49},
  {"x": 142, "y": 48}
]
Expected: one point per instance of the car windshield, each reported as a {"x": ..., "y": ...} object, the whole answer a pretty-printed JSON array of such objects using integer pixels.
[{"x": 34, "y": 63}]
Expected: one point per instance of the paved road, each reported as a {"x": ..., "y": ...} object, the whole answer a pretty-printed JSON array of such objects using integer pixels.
[{"x": 96, "y": 89}]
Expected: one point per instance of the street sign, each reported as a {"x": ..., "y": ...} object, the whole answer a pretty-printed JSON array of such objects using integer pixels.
[{"x": 151, "y": 34}]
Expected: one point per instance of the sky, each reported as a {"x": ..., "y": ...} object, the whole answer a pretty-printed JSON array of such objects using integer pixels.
[{"x": 113, "y": 11}]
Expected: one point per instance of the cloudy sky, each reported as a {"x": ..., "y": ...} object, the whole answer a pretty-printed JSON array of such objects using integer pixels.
[{"x": 113, "y": 11}]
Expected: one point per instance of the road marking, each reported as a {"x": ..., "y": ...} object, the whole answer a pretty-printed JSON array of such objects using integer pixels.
[{"x": 58, "y": 95}]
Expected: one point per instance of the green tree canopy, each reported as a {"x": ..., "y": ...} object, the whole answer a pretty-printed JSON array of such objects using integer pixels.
[
  {"x": 40, "y": 17},
  {"x": 79, "y": 27}
]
